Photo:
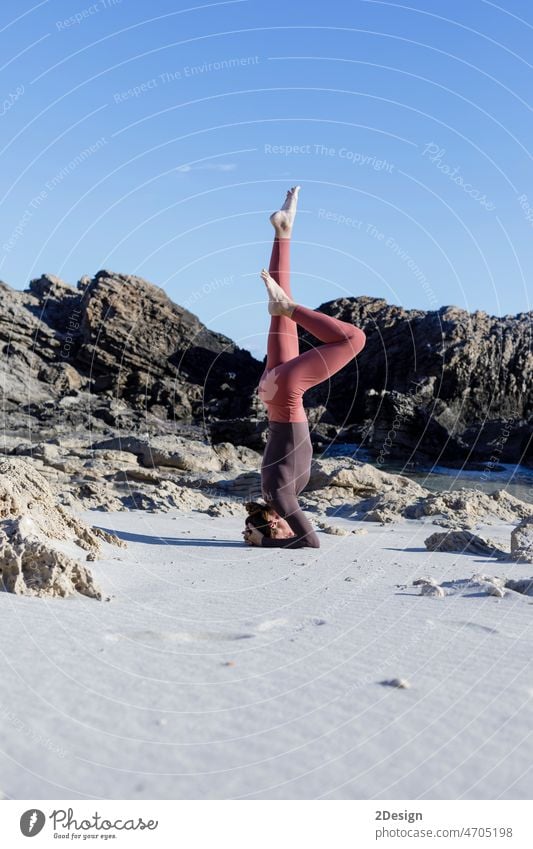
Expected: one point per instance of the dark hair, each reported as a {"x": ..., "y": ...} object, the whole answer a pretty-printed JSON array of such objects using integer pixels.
[{"x": 258, "y": 517}]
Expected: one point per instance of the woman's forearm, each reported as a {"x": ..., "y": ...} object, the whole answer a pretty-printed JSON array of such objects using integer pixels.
[
  {"x": 309, "y": 541},
  {"x": 304, "y": 536}
]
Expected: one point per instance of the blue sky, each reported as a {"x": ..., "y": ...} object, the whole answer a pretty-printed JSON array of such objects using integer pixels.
[{"x": 155, "y": 139}]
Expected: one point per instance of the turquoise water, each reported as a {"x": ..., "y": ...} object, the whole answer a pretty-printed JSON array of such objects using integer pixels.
[{"x": 517, "y": 480}]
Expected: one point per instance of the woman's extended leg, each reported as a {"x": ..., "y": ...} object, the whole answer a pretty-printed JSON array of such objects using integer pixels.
[{"x": 282, "y": 335}]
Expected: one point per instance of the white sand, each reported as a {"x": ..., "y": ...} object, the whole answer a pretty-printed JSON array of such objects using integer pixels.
[{"x": 221, "y": 671}]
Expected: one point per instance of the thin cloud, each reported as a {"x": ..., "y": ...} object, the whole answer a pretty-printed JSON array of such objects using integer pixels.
[{"x": 208, "y": 166}]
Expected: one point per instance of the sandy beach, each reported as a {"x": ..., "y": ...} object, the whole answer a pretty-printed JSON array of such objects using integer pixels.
[{"x": 217, "y": 670}]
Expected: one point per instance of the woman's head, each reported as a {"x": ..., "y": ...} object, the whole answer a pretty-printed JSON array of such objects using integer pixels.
[
  {"x": 267, "y": 520},
  {"x": 259, "y": 516}
]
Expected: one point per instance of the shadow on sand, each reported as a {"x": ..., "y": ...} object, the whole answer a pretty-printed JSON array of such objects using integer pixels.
[{"x": 190, "y": 541}]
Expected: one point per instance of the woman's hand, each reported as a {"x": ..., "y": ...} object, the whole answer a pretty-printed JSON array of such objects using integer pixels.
[{"x": 252, "y": 536}]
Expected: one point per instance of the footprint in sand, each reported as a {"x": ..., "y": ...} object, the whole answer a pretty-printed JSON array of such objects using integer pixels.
[
  {"x": 195, "y": 637},
  {"x": 270, "y": 624},
  {"x": 177, "y": 636},
  {"x": 473, "y": 625},
  {"x": 310, "y": 620}
]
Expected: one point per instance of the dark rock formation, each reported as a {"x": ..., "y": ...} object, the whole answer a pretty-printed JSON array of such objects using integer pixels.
[
  {"x": 116, "y": 354},
  {"x": 116, "y": 349},
  {"x": 445, "y": 385},
  {"x": 139, "y": 345}
]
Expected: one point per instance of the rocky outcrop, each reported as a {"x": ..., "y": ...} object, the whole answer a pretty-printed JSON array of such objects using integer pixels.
[
  {"x": 522, "y": 541},
  {"x": 33, "y": 525},
  {"x": 171, "y": 452},
  {"x": 251, "y": 432},
  {"x": 125, "y": 473},
  {"x": 361, "y": 480},
  {"x": 347, "y": 487},
  {"x": 115, "y": 353},
  {"x": 358, "y": 490},
  {"x": 461, "y": 541},
  {"x": 31, "y": 565},
  {"x": 25, "y": 492},
  {"x": 166, "y": 497},
  {"x": 443, "y": 385},
  {"x": 42, "y": 483},
  {"x": 429, "y": 587},
  {"x": 524, "y": 586},
  {"x": 493, "y": 585},
  {"x": 465, "y": 508},
  {"x": 138, "y": 344}
]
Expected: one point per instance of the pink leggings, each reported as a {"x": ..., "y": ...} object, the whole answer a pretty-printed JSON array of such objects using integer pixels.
[{"x": 288, "y": 373}]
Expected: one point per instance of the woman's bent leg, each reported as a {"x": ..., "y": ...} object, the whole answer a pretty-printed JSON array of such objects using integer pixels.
[
  {"x": 343, "y": 342},
  {"x": 282, "y": 336},
  {"x": 328, "y": 329}
]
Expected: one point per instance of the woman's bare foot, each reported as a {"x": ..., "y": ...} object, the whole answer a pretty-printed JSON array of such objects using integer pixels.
[
  {"x": 283, "y": 219},
  {"x": 278, "y": 302}
]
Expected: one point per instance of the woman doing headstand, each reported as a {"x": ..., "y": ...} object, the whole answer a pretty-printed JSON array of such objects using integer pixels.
[{"x": 286, "y": 465}]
